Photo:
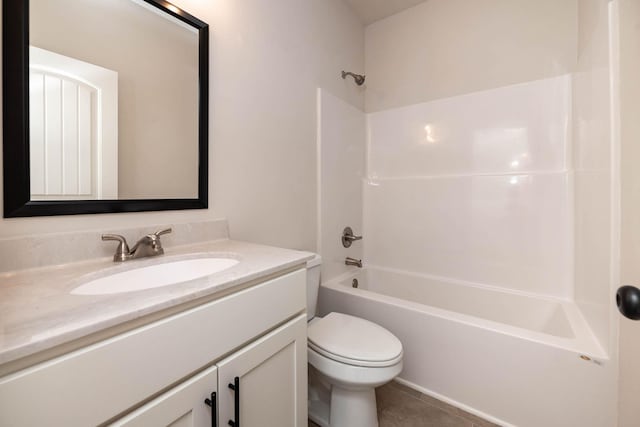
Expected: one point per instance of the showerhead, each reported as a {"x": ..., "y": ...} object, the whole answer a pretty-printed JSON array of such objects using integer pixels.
[{"x": 359, "y": 79}]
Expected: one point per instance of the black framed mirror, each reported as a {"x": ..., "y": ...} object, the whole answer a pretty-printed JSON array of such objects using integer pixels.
[{"x": 56, "y": 123}]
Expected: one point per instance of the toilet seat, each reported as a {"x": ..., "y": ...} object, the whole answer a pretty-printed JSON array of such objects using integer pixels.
[{"x": 354, "y": 341}]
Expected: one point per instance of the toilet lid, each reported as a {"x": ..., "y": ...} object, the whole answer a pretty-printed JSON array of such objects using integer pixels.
[{"x": 355, "y": 341}]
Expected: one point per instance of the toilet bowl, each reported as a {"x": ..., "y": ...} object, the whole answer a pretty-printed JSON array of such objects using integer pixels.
[{"x": 348, "y": 358}]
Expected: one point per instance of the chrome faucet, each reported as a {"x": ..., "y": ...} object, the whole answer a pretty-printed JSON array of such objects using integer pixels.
[
  {"x": 353, "y": 261},
  {"x": 149, "y": 245}
]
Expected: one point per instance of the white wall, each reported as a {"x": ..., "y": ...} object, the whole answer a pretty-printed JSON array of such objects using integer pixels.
[
  {"x": 341, "y": 144},
  {"x": 475, "y": 188},
  {"x": 442, "y": 48},
  {"x": 629, "y": 377},
  {"x": 267, "y": 59}
]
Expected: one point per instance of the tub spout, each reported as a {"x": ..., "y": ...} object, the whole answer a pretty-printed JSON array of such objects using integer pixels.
[{"x": 353, "y": 261}]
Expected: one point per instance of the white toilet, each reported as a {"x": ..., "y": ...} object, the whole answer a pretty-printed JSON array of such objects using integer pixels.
[{"x": 348, "y": 358}]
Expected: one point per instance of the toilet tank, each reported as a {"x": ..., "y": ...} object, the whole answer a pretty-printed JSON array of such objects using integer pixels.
[{"x": 313, "y": 285}]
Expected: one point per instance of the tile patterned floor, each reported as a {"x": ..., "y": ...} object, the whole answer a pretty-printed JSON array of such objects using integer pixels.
[{"x": 400, "y": 406}]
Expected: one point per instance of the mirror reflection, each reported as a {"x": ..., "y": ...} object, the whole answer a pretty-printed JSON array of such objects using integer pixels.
[{"x": 113, "y": 102}]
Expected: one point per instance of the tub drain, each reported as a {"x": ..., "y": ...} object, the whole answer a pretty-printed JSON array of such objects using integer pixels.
[{"x": 354, "y": 283}]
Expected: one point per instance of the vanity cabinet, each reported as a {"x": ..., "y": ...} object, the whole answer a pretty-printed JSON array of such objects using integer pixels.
[
  {"x": 268, "y": 380},
  {"x": 161, "y": 373}
]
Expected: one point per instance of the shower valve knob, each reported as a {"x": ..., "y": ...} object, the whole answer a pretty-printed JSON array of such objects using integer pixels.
[
  {"x": 628, "y": 302},
  {"x": 348, "y": 237}
]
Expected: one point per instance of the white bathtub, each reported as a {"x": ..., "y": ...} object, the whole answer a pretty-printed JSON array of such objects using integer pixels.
[{"x": 512, "y": 358}]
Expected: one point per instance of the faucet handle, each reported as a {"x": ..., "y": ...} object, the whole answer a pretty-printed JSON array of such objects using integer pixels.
[
  {"x": 122, "y": 252},
  {"x": 155, "y": 240},
  {"x": 161, "y": 232},
  {"x": 348, "y": 237}
]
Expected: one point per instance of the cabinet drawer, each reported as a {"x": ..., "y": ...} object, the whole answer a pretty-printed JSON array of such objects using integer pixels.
[{"x": 93, "y": 384}]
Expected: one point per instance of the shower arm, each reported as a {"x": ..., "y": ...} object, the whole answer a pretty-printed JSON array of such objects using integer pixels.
[{"x": 358, "y": 78}]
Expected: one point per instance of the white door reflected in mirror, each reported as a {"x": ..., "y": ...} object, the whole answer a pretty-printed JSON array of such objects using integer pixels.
[
  {"x": 73, "y": 109},
  {"x": 155, "y": 127}
]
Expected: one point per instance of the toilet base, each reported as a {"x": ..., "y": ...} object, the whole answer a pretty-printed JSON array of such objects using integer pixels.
[
  {"x": 351, "y": 408},
  {"x": 334, "y": 406},
  {"x": 319, "y": 413}
]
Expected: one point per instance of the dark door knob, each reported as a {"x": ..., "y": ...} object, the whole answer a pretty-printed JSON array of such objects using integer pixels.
[{"x": 628, "y": 301}]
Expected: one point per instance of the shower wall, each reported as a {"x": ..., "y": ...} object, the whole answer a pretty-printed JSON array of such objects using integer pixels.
[
  {"x": 475, "y": 188},
  {"x": 490, "y": 148},
  {"x": 595, "y": 278},
  {"x": 341, "y": 167},
  {"x": 469, "y": 145}
]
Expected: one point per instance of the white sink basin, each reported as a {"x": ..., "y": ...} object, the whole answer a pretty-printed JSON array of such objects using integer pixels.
[{"x": 155, "y": 276}]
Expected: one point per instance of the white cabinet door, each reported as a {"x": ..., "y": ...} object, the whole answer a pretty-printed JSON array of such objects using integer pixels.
[
  {"x": 182, "y": 406},
  {"x": 272, "y": 379}
]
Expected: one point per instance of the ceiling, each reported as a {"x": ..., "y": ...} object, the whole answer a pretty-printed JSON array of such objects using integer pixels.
[{"x": 372, "y": 10}]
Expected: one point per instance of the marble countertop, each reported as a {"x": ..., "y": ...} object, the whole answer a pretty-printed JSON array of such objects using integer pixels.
[{"x": 38, "y": 312}]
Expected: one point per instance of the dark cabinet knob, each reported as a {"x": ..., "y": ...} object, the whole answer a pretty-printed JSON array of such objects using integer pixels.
[{"x": 628, "y": 302}]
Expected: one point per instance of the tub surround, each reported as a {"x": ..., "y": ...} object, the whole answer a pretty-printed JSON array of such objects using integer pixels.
[
  {"x": 595, "y": 176},
  {"x": 476, "y": 188},
  {"x": 39, "y": 313},
  {"x": 341, "y": 167}
]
